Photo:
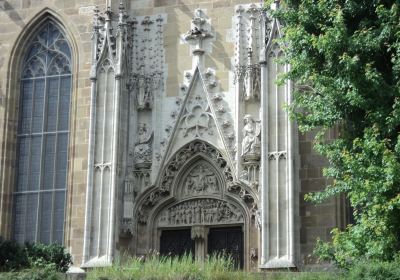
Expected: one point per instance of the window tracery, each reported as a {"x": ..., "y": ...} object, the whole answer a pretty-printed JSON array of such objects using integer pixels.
[{"x": 43, "y": 130}]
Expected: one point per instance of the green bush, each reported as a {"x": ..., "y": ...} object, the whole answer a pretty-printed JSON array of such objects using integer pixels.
[
  {"x": 12, "y": 256},
  {"x": 375, "y": 270},
  {"x": 15, "y": 257},
  {"x": 41, "y": 255}
]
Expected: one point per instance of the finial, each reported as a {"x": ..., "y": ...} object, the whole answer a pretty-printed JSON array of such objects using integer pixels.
[
  {"x": 108, "y": 13},
  {"x": 121, "y": 14}
]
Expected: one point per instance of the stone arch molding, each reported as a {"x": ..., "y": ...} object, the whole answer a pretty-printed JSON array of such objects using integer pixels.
[
  {"x": 196, "y": 175},
  {"x": 32, "y": 26}
]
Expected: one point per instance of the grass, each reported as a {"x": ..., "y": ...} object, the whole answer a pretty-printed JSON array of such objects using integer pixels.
[
  {"x": 184, "y": 268},
  {"x": 33, "y": 274}
]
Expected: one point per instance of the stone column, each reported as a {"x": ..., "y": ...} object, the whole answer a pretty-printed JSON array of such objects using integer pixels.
[{"x": 199, "y": 235}]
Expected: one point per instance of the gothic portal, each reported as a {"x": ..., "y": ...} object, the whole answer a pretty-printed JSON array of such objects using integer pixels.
[
  {"x": 204, "y": 172},
  {"x": 135, "y": 126}
]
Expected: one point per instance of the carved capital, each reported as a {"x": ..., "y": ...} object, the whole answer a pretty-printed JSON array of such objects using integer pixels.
[{"x": 199, "y": 232}]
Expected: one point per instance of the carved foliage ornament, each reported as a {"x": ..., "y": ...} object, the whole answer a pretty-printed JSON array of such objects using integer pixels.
[
  {"x": 145, "y": 59},
  {"x": 199, "y": 31},
  {"x": 249, "y": 76}
]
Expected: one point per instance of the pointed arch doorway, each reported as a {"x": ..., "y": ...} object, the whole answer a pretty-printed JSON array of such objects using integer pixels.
[
  {"x": 203, "y": 220},
  {"x": 196, "y": 196},
  {"x": 199, "y": 242}
]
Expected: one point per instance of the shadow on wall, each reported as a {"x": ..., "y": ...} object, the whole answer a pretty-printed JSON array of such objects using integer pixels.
[{"x": 10, "y": 11}]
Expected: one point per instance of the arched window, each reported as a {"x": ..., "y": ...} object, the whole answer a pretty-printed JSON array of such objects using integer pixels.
[{"x": 43, "y": 129}]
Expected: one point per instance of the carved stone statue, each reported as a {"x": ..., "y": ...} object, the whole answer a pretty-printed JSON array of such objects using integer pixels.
[
  {"x": 252, "y": 86},
  {"x": 143, "y": 148},
  {"x": 251, "y": 138},
  {"x": 144, "y": 94}
]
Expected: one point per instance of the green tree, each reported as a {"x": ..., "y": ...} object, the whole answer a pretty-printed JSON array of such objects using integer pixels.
[{"x": 345, "y": 59}]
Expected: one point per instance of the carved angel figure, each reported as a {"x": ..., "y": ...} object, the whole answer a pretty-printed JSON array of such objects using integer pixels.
[
  {"x": 251, "y": 136},
  {"x": 143, "y": 150}
]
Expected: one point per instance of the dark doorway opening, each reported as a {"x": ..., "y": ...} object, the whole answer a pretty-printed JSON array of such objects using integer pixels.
[
  {"x": 176, "y": 243},
  {"x": 227, "y": 241}
]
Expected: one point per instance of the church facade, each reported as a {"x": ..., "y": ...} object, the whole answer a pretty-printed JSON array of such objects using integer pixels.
[{"x": 134, "y": 126}]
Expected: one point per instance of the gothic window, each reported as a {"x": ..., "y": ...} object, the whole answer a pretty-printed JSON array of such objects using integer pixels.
[{"x": 43, "y": 130}]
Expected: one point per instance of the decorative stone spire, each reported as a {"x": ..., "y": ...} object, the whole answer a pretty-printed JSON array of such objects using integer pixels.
[
  {"x": 122, "y": 16},
  {"x": 198, "y": 33}
]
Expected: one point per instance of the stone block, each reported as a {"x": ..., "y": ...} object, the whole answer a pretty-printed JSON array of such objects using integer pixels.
[
  {"x": 221, "y": 4},
  {"x": 163, "y": 3},
  {"x": 76, "y": 273}
]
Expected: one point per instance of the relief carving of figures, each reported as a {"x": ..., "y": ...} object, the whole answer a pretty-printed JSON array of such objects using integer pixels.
[
  {"x": 204, "y": 211},
  {"x": 143, "y": 148},
  {"x": 251, "y": 138},
  {"x": 201, "y": 180},
  {"x": 185, "y": 154}
]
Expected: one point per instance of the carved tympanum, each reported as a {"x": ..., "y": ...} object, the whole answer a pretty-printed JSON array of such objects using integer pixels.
[
  {"x": 200, "y": 211},
  {"x": 201, "y": 180},
  {"x": 172, "y": 168},
  {"x": 196, "y": 147}
]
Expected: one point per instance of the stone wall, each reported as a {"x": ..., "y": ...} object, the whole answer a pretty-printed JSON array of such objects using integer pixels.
[{"x": 316, "y": 220}]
